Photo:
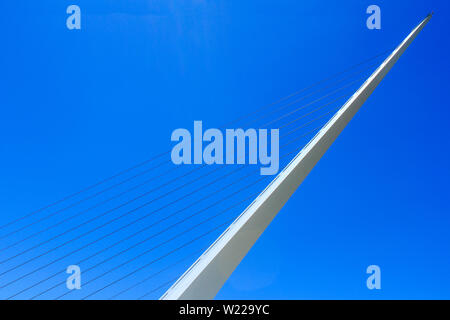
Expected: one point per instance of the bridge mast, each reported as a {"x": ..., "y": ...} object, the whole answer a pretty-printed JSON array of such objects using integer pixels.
[{"x": 208, "y": 274}]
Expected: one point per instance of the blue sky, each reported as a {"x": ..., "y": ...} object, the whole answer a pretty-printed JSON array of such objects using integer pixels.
[{"x": 78, "y": 106}]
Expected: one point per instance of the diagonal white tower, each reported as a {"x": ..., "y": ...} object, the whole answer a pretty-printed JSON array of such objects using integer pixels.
[{"x": 208, "y": 274}]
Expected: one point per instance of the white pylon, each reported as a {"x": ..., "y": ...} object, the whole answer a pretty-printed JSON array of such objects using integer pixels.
[{"x": 208, "y": 274}]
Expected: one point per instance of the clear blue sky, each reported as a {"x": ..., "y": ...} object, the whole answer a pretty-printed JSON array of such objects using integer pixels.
[{"x": 78, "y": 106}]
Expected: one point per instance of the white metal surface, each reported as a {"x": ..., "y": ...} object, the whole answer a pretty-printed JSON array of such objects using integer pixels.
[{"x": 208, "y": 274}]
